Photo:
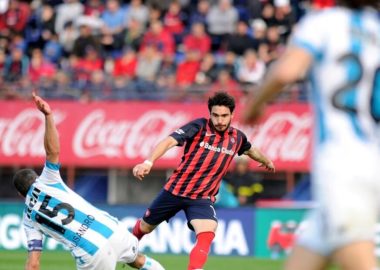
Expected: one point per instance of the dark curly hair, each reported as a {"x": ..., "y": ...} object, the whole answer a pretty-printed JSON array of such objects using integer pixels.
[
  {"x": 23, "y": 179},
  {"x": 221, "y": 99}
]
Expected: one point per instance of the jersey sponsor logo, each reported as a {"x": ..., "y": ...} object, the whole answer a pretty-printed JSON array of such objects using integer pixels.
[
  {"x": 216, "y": 149},
  {"x": 179, "y": 131}
]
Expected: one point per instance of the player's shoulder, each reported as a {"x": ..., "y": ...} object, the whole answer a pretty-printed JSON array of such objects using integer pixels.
[
  {"x": 199, "y": 122},
  {"x": 237, "y": 131},
  {"x": 324, "y": 16}
]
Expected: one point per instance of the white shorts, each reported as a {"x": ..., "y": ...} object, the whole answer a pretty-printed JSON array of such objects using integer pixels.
[
  {"x": 347, "y": 193},
  {"x": 122, "y": 246}
]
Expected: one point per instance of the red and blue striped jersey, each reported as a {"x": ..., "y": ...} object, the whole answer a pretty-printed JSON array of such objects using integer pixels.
[{"x": 206, "y": 158}]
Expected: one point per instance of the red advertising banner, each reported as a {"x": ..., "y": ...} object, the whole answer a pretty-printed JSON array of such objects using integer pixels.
[{"x": 120, "y": 134}]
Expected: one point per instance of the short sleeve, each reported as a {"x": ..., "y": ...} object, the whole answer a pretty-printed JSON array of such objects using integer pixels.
[
  {"x": 34, "y": 236},
  {"x": 50, "y": 174},
  {"x": 309, "y": 34},
  {"x": 245, "y": 144},
  {"x": 188, "y": 131}
]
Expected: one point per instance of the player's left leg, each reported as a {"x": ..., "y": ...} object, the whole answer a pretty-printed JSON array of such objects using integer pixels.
[{"x": 202, "y": 219}]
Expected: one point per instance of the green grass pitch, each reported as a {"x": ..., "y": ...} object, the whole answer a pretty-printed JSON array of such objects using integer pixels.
[{"x": 60, "y": 260}]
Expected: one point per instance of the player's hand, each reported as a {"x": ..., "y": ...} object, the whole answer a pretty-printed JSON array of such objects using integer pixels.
[
  {"x": 41, "y": 104},
  {"x": 140, "y": 170},
  {"x": 269, "y": 166}
]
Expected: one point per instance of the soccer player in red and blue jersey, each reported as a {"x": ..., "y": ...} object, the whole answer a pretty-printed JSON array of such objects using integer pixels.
[{"x": 209, "y": 147}]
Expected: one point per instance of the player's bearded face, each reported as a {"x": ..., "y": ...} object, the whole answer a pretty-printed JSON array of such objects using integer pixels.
[{"x": 221, "y": 117}]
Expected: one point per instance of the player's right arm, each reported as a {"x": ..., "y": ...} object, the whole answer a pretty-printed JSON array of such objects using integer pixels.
[
  {"x": 142, "y": 169},
  {"x": 51, "y": 140}
]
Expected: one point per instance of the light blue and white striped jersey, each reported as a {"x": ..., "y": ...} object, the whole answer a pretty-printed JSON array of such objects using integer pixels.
[
  {"x": 53, "y": 209},
  {"x": 345, "y": 75}
]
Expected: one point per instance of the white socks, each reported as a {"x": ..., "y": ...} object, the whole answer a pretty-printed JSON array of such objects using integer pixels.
[{"x": 151, "y": 264}]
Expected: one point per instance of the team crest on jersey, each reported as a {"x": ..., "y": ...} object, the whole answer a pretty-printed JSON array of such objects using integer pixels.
[{"x": 233, "y": 140}]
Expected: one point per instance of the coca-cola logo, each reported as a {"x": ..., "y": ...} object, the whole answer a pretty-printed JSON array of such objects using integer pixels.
[
  {"x": 24, "y": 134},
  {"x": 96, "y": 135},
  {"x": 283, "y": 136}
]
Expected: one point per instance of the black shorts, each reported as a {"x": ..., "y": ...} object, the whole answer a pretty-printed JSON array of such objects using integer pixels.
[{"x": 166, "y": 205}]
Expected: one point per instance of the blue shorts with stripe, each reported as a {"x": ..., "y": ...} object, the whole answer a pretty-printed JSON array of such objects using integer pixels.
[{"x": 166, "y": 205}]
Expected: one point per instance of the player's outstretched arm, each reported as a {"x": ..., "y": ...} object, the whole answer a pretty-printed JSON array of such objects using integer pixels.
[
  {"x": 33, "y": 262},
  {"x": 142, "y": 169},
  {"x": 255, "y": 154},
  {"x": 291, "y": 66},
  {"x": 51, "y": 140}
]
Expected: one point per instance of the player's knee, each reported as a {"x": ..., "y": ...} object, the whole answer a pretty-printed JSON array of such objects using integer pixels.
[{"x": 146, "y": 228}]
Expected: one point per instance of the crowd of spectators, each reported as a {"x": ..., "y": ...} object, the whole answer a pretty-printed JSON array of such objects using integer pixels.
[{"x": 111, "y": 49}]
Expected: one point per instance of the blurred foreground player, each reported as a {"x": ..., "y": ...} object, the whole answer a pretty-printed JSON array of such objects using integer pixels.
[
  {"x": 210, "y": 145},
  {"x": 96, "y": 240},
  {"x": 341, "y": 48}
]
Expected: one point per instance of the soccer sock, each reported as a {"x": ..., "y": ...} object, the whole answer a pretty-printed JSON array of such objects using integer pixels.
[
  {"x": 199, "y": 253},
  {"x": 137, "y": 230}
]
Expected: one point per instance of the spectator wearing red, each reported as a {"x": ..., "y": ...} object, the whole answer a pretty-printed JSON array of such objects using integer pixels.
[
  {"x": 88, "y": 64},
  {"x": 39, "y": 67},
  {"x": 197, "y": 40},
  {"x": 226, "y": 83},
  {"x": 319, "y": 4},
  {"x": 159, "y": 38},
  {"x": 173, "y": 21},
  {"x": 125, "y": 66},
  {"x": 94, "y": 8},
  {"x": 15, "y": 18},
  {"x": 188, "y": 69}
]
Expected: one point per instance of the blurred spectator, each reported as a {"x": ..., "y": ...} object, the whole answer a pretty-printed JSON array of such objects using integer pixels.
[
  {"x": 53, "y": 50},
  {"x": 229, "y": 64},
  {"x": 47, "y": 21},
  {"x": 16, "y": 65},
  {"x": 84, "y": 66},
  {"x": 39, "y": 67},
  {"x": 94, "y": 8},
  {"x": 15, "y": 18},
  {"x": 268, "y": 14},
  {"x": 3, "y": 58},
  {"x": 85, "y": 40},
  {"x": 208, "y": 71},
  {"x": 68, "y": 37},
  {"x": 221, "y": 21},
  {"x": 245, "y": 185},
  {"x": 155, "y": 13},
  {"x": 97, "y": 87},
  {"x": 126, "y": 65},
  {"x": 68, "y": 11},
  {"x": 139, "y": 12},
  {"x": 259, "y": 29},
  {"x": 134, "y": 34},
  {"x": 174, "y": 20},
  {"x": 251, "y": 70},
  {"x": 273, "y": 46},
  {"x": 225, "y": 198},
  {"x": 226, "y": 83},
  {"x": 197, "y": 40},
  {"x": 285, "y": 17},
  {"x": 319, "y": 4},
  {"x": 188, "y": 69},
  {"x": 159, "y": 38},
  {"x": 240, "y": 40},
  {"x": 148, "y": 64},
  {"x": 115, "y": 21},
  {"x": 200, "y": 14}
]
